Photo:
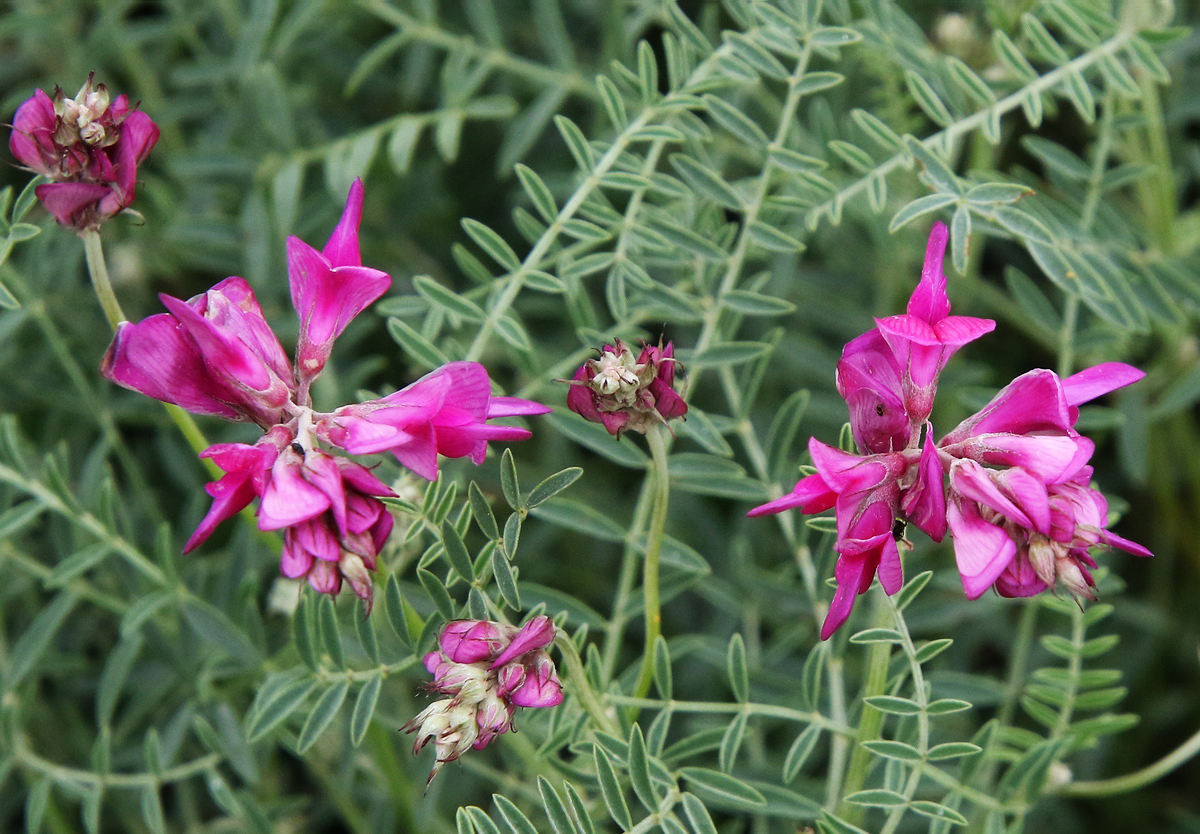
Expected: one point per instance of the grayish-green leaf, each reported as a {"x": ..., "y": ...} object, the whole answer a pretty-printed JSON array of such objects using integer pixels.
[{"x": 322, "y": 714}]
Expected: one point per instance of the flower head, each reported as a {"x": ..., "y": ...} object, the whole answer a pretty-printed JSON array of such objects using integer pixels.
[
  {"x": 489, "y": 669},
  {"x": 89, "y": 147},
  {"x": 215, "y": 354},
  {"x": 623, "y": 392},
  {"x": 1022, "y": 512},
  {"x": 1018, "y": 504}
]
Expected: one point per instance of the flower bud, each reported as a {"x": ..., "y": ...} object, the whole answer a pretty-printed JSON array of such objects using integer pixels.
[{"x": 471, "y": 641}]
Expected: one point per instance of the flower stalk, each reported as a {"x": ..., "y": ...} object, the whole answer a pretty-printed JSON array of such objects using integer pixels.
[
  {"x": 660, "y": 475},
  {"x": 870, "y": 722},
  {"x": 93, "y": 249},
  {"x": 98, "y": 271}
]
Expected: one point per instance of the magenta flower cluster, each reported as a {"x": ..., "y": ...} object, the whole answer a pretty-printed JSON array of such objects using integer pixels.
[
  {"x": 487, "y": 670},
  {"x": 1011, "y": 483},
  {"x": 89, "y": 147},
  {"x": 215, "y": 354}
]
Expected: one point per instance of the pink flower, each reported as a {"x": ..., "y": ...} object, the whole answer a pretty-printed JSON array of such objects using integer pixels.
[
  {"x": 866, "y": 493},
  {"x": 451, "y": 724},
  {"x": 341, "y": 527},
  {"x": 88, "y": 147},
  {"x": 1023, "y": 536},
  {"x": 330, "y": 287},
  {"x": 869, "y": 380},
  {"x": 472, "y": 641},
  {"x": 1029, "y": 525},
  {"x": 1020, "y": 509},
  {"x": 213, "y": 354},
  {"x": 489, "y": 669},
  {"x": 445, "y": 412},
  {"x": 925, "y": 337},
  {"x": 622, "y": 392},
  {"x": 246, "y": 468}
]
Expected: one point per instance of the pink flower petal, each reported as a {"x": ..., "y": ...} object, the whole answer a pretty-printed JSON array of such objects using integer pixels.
[
  {"x": 849, "y": 573},
  {"x": 982, "y": 550},
  {"x": 929, "y": 301},
  {"x": 33, "y": 125},
  {"x": 73, "y": 204},
  {"x": 294, "y": 561},
  {"x": 155, "y": 357},
  {"x": 1099, "y": 380},
  {"x": 325, "y": 577},
  {"x": 223, "y": 352},
  {"x": 231, "y": 494},
  {"x": 288, "y": 498},
  {"x": 1031, "y": 403},
  {"x": 471, "y": 641},
  {"x": 419, "y": 453},
  {"x": 342, "y": 247},
  {"x": 975, "y": 483},
  {"x": 514, "y": 407},
  {"x": 535, "y": 634},
  {"x": 1113, "y": 540},
  {"x": 956, "y": 331},
  {"x": 667, "y": 401},
  {"x": 890, "y": 570},
  {"x": 1052, "y": 459},
  {"x": 924, "y": 503},
  {"x": 541, "y": 687},
  {"x": 1019, "y": 579},
  {"x": 326, "y": 299},
  {"x": 810, "y": 494}
]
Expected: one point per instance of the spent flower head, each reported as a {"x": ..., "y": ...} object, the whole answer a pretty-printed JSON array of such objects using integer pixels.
[
  {"x": 89, "y": 147},
  {"x": 623, "y": 392}
]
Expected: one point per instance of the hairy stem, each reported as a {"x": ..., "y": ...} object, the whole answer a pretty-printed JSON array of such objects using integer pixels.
[
  {"x": 870, "y": 721},
  {"x": 98, "y": 270},
  {"x": 1139, "y": 778},
  {"x": 581, "y": 687},
  {"x": 657, "y": 438}
]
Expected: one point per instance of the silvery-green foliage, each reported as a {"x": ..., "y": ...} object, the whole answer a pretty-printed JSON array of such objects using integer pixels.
[{"x": 752, "y": 179}]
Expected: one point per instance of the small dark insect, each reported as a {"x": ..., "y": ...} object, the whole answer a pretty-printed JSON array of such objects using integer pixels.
[
  {"x": 879, "y": 409},
  {"x": 898, "y": 528},
  {"x": 297, "y": 448}
]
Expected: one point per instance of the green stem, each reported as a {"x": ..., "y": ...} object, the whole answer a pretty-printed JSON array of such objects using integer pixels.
[
  {"x": 1137, "y": 779},
  {"x": 1017, "y": 663},
  {"x": 98, "y": 270},
  {"x": 625, "y": 580},
  {"x": 723, "y": 707},
  {"x": 870, "y": 722},
  {"x": 88, "y": 779},
  {"x": 921, "y": 696},
  {"x": 962, "y": 127},
  {"x": 581, "y": 687},
  {"x": 1066, "y": 338},
  {"x": 1158, "y": 193},
  {"x": 657, "y": 438}
]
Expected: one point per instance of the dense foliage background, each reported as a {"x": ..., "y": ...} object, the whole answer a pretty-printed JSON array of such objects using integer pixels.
[{"x": 752, "y": 179}]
